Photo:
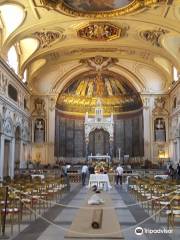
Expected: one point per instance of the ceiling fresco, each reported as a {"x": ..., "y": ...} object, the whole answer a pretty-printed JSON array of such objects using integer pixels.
[
  {"x": 97, "y": 8},
  {"x": 96, "y": 5}
]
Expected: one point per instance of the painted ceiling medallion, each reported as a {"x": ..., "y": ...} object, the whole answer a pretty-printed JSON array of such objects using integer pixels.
[
  {"x": 46, "y": 38},
  {"x": 101, "y": 31},
  {"x": 153, "y": 36},
  {"x": 96, "y": 5},
  {"x": 97, "y": 8}
]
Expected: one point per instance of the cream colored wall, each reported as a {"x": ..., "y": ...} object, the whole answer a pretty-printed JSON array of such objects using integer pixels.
[
  {"x": 174, "y": 123},
  {"x": 44, "y": 151},
  {"x": 13, "y": 114}
]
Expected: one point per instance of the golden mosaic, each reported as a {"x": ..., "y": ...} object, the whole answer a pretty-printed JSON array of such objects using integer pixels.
[{"x": 115, "y": 92}]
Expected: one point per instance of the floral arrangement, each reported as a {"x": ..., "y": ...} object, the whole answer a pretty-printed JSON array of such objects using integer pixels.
[{"x": 101, "y": 167}]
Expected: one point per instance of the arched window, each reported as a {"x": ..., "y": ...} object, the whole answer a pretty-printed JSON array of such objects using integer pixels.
[
  {"x": 12, "y": 93},
  {"x": 12, "y": 16},
  {"x": 25, "y": 76},
  {"x": 175, "y": 102},
  {"x": 13, "y": 59},
  {"x": 175, "y": 74}
]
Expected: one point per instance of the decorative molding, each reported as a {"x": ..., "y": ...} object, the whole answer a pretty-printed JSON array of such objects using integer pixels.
[
  {"x": 101, "y": 31},
  {"x": 3, "y": 82},
  {"x": 39, "y": 107},
  {"x": 99, "y": 63},
  {"x": 122, "y": 51},
  {"x": 47, "y": 38},
  {"x": 153, "y": 36},
  {"x": 146, "y": 102},
  {"x": 159, "y": 104},
  {"x": 99, "y": 122},
  {"x": 52, "y": 102},
  {"x": 8, "y": 127}
]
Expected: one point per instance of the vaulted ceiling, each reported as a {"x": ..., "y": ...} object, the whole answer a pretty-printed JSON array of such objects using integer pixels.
[{"x": 52, "y": 38}]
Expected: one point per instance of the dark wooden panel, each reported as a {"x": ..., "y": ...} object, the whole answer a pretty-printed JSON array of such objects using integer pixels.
[
  {"x": 79, "y": 124},
  {"x": 56, "y": 147},
  {"x": 119, "y": 136},
  {"x": 62, "y": 136},
  {"x": 141, "y": 135},
  {"x": 128, "y": 137},
  {"x": 136, "y": 133},
  {"x": 78, "y": 143}
]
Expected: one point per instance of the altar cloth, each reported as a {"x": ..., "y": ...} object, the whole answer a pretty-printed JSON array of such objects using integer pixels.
[{"x": 100, "y": 180}]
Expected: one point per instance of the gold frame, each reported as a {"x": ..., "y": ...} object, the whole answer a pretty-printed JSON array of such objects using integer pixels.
[
  {"x": 131, "y": 7},
  {"x": 120, "y": 31}
]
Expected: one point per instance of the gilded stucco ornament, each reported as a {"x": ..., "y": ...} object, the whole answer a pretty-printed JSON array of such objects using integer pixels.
[
  {"x": 101, "y": 31},
  {"x": 159, "y": 106},
  {"x": 47, "y": 38},
  {"x": 3, "y": 82},
  {"x": 153, "y": 36},
  {"x": 8, "y": 127},
  {"x": 99, "y": 63},
  {"x": 96, "y": 8},
  {"x": 39, "y": 106}
]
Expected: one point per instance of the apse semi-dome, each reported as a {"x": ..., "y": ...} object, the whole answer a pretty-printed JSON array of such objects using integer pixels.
[{"x": 116, "y": 93}]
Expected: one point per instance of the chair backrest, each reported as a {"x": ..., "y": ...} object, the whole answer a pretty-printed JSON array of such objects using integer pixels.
[{"x": 175, "y": 202}]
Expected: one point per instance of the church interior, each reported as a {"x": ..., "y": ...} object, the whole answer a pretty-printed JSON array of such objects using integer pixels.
[{"x": 89, "y": 95}]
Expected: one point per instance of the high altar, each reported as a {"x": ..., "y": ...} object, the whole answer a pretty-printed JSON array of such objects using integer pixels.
[{"x": 97, "y": 123}]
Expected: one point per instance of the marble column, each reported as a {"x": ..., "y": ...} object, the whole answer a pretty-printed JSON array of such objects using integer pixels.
[
  {"x": 12, "y": 158},
  {"x": 22, "y": 160},
  {"x": 1, "y": 155},
  {"x": 147, "y": 133},
  {"x": 178, "y": 149},
  {"x": 87, "y": 144},
  {"x": 111, "y": 149}
]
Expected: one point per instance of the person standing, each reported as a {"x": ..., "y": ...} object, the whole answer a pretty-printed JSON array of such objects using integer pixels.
[
  {"x": 91, "y": 169},
  {"x": 178, "y": 171},
  {"x": 84, "y": 172},
  {"x": 171, "y": 172},
  {"x": 119, "y": 174}
]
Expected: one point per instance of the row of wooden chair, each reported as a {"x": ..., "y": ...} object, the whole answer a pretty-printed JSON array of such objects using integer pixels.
[
  {"x": 23, "y": 199},
  {"x": 158, "y": 196}
]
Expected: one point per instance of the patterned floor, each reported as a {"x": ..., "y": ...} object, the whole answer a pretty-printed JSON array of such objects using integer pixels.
[{"x": 52, "y": 225}]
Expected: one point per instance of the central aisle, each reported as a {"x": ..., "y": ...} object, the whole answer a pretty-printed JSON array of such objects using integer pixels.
[{"x": 58, "y": 219}]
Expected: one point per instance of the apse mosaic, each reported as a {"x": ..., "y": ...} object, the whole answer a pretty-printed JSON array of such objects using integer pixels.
[
  {"x": 116, "y": 94},
  {"x": 96, "y": 5}
]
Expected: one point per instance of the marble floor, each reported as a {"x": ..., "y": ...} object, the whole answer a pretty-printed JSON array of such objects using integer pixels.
[{"x": 53, "y": 224}]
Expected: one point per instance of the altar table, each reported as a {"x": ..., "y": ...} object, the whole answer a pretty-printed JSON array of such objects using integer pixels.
[
  {"x": 38, "y": 175},
  {"x": 81, "y": 225},
  {"x": 161, "y": 176},
  {"x": 100, "y": 180}
]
